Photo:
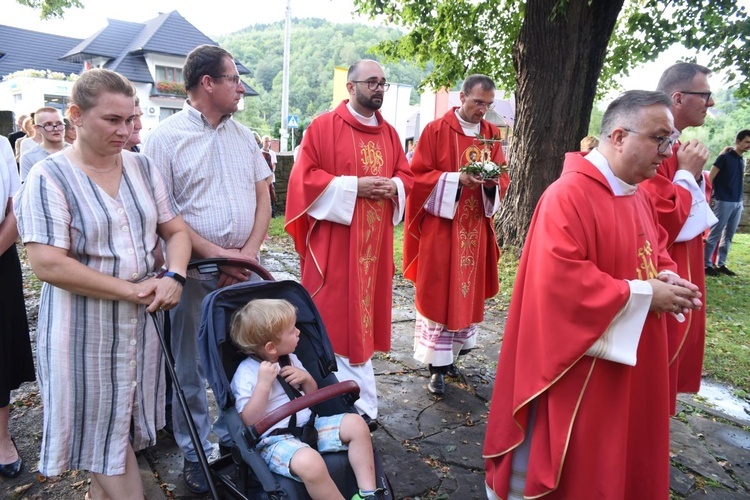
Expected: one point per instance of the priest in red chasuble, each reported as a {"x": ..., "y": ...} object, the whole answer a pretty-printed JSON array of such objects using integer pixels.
[
  {"x": 450, "y": 249},
  {"x": 678, "y": 191},
  {"x": 346, "y": 192},
  {"x": 580, "y": 406}
]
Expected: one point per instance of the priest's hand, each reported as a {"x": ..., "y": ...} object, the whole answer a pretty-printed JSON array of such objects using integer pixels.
[
  {"x": 680, "y": 297},
  {"x": 470, "y": 181},
  {"x": 692, "y": 156},
  {"x": 376, "y": 188}
]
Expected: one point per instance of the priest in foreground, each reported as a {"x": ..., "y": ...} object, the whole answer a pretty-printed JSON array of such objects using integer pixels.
[{"x": 580, "y": 407}]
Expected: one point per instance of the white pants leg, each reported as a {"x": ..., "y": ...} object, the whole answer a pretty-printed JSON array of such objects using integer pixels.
[{"x": 364, "y": 376}]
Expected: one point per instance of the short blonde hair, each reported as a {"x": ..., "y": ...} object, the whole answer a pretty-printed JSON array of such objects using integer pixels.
[
  {"x": 261, "y": 321},
  {"x": 589, "y": 142},
  {"x": 28, "y": 126}
]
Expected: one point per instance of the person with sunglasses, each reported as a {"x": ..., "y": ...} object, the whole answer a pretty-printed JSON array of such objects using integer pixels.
[
  {"x": 450, "y": 252},
  {"x": 51, "y": 127},
  {"x": 346, "y": 193},
  {"x": 679, "y": 193}
]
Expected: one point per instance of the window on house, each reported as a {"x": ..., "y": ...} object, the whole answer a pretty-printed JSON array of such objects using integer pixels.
[
  {"x": 167, "y": 112},
  {"x": 164, "y": 73},
  {"x": 56, "y": 101}
]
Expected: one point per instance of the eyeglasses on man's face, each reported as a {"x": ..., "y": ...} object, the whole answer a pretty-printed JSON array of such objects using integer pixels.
[
  {"x": 663, "y": 143},
  {"x": 706, "y": 96},
  {"x": 50, "y": 127},
  {"x": 482, "y": 104},
  {"x": 233, "y": 79},
  {"x": 374, "y": 84}
]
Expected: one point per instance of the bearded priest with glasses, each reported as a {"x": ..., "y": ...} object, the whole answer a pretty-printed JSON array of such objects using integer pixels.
[{"x": 346, "y": 192}]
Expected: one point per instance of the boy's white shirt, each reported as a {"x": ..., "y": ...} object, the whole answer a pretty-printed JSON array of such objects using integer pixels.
[{"x": 246, "y": 378}]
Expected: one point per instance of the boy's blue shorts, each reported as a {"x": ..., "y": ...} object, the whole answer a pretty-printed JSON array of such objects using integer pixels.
[{"x": 277, "y": 451}]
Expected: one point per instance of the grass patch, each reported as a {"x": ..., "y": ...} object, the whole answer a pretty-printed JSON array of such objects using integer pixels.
[
  {"x": 398, "y": 248},
  {"x": 727, "y": 357},
  {"x": 276, "y": 228}
]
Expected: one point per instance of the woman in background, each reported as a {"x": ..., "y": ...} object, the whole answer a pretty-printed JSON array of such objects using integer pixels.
[{"x": 16, "y": 362}]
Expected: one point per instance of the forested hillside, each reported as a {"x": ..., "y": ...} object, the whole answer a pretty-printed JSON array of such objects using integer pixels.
[{"x": 317, "y": 46}]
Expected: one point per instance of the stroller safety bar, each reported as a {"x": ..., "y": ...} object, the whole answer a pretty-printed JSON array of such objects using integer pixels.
[
  {"x": 305, "y": 401},
  {"x": 208, "y": 266}
]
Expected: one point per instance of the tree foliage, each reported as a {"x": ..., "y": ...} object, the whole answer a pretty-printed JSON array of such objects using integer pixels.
[
  {"x": 726, "y": 119},
  {"x": 468, "y": 36},
  {"x": 317, "y": 47},
  {"x": 555, "y": 55},
  {"x": 50, "y": 9}
]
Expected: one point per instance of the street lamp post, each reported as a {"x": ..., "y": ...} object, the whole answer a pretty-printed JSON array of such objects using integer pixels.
[{"x": 283, "y": 131}]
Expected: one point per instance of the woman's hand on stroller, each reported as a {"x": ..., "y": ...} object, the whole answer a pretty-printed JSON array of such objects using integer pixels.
[
  {"x": 159, "y": 294},
  {"x": 299, "y": 378}
]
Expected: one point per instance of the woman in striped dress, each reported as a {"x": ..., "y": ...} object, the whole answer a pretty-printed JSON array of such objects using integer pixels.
[{"x": 91, "y": 218}]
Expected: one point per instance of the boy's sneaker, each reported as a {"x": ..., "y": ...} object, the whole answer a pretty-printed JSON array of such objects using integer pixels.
[
  {"x": 725, "y": 270},
  {"x": 369, "y": 495}
]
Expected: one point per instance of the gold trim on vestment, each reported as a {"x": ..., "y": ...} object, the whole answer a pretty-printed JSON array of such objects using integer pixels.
[{"x": 572, "y": 421}]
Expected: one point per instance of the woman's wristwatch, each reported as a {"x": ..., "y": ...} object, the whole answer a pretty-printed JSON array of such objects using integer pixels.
[{"x": 171, "y": 274}]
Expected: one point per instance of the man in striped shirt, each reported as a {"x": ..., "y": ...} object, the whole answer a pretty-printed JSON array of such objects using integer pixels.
[{"x": 218, "y": 178}]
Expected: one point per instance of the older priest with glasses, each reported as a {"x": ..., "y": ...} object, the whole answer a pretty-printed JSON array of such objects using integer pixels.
[
  {"x": 580, "y": 407},
  {"x": 347, "y": 191}
]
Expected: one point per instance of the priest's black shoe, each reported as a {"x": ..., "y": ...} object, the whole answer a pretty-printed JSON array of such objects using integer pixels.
[
  {"x": 725, "y": 270},
  {"x": 437, "y": 384},
  {"x": 12, "y": 469},
  {"x": 372, "y": 423},
  {"x": 452, "y": 371}
]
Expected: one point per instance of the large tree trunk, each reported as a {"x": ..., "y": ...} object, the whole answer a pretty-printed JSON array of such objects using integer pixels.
[{"x": 558, "y": 59}]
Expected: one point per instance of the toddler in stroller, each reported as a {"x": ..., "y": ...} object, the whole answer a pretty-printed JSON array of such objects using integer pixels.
[{"x": 265, "y": 330}]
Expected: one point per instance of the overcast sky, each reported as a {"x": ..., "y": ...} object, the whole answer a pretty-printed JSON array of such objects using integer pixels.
[
  {"x": 219, "y": 17},
  {"x": 212, "y": 17}
]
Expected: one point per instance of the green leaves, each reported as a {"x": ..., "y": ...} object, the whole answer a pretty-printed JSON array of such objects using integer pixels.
[
  {"x": 50, "y": 9},
  {"x": 463, "y": 36},
  {"x": 460, "y": 37}
]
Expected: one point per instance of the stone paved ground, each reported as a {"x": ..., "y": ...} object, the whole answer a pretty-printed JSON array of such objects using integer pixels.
[{"x": 431, "y": 447}]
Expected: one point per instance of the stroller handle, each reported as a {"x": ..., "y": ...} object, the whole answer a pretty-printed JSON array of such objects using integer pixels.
[
  {"x": 305, "y": 401},
  {"x": 206, "y": 266}
]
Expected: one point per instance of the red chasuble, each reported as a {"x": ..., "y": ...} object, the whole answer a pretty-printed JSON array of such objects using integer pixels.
[
  {"x": 452, "y": 262},
  {"x": 348, "y": 270},
  {"x": 602, "y": 428},
  {"x": 686, "y": 340}
]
